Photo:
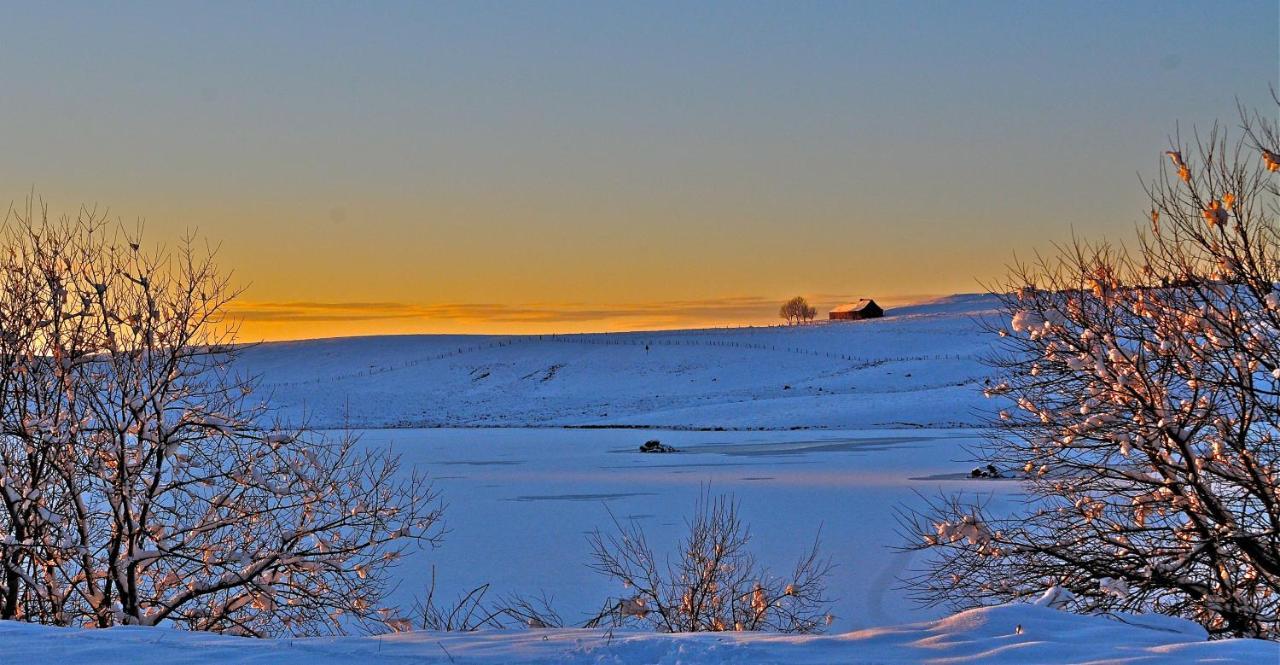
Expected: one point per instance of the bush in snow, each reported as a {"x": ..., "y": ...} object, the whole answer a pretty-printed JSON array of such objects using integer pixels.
[
  {"x": 141, "y": 479},
  {"x": 1143, "y": 401},
  {"x": 713, "y": 583},
  {"x": 472, "y": 611}
]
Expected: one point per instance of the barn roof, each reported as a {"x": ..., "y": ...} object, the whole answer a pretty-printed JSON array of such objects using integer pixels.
[{"x": 854, "y": 306}]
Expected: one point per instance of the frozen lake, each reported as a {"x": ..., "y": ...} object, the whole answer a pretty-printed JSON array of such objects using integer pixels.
[{"x": 521, "y": 501}]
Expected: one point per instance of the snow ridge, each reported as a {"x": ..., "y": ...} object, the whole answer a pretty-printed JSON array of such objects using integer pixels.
[{"x": 1000, "y": 634}]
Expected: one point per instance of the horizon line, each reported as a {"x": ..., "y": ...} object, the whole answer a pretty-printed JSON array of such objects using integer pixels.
[{"x": 300, "y": 320}]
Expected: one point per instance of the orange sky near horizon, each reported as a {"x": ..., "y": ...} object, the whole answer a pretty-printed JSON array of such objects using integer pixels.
[
  {"x": 264, "y": 321},
  {"x": 470, "y": 167}
]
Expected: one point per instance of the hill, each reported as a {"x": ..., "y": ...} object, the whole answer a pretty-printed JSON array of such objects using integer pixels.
[{"x": 917, "y": 367}]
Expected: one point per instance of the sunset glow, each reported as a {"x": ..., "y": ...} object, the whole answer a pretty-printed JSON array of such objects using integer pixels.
[
  {"x": 503, "y": 167},
  {"x": 288, "y": 320}
]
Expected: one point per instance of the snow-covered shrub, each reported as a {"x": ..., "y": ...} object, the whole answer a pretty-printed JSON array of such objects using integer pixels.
[
  {"x": 142, "y": 479},
  {"x": 712, "y": 583},
  {"x": 473, "y": 611},
  {"x": 1141, "y": 398}
]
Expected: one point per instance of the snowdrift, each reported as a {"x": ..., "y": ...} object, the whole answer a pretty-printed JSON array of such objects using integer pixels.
[{"x": 1001, "y": 634}]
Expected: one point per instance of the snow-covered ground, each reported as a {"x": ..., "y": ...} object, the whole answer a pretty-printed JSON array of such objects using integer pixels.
[
  {"x": 822, "y": 427},
  {"x": 532, "y": 442},
  {"x": 989, "y": 635},
  {"x": 521, "y": 501},
  {"x": 918, "y": 366}
]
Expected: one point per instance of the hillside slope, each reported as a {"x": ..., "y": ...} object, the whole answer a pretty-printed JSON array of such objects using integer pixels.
[{"x": 918, "y": 366}]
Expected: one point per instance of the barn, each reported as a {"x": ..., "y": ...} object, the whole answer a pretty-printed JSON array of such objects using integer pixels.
[{"x": 863, "y": 309}]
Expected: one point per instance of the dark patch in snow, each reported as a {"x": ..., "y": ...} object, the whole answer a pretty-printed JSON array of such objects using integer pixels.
[
  {"x": 495, "y": 462},
  {"x": 963, "y": 476},
  {"x": 580, "y": 497},
  {"x": 547, "y": 374},
  {"x": 696, "y": 465},
  {"x": 805, "y": 447}
]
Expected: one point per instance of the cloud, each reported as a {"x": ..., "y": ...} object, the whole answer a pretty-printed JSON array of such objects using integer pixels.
[
  {"x": 655, "y": 314},
  {"x": 309, "y": 311},
  {"x": 320, "y": 311}
]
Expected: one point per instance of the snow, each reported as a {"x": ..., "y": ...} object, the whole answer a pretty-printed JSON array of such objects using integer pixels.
[
  {"x": 826, "y": 427},
  {"x": 918, "y": 366},
  {"x": 520, "y": 502},
  {"x": 988, "y": 635},
  {"x": 533, "y": 443}
]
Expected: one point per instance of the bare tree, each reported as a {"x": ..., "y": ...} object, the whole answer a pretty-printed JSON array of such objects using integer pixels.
[
  {"x": 797, "y": 310},
  {"x": 42, "y": 340},
  {"x": 144, "y": 480},
  {"x": 787, "y": 312},
  {"x": 1142, "y": 400},
  {"x": 713, "y": 583}
]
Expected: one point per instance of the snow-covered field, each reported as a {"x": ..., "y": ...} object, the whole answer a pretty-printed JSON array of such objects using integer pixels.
[
  {"x": 814, "y": 428},
  {"x": 521, "y": 501},
  {"x": 917, "y": 367},
  {"x": 533, "y": 443}
]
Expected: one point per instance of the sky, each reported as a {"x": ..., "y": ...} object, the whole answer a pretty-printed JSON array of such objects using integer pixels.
[{"x": 513, "y": 167}]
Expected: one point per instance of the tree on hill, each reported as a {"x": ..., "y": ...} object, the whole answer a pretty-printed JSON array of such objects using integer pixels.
[
  {"x": 1141, "y": 401},
  {"x": 797, "y": 310}
]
